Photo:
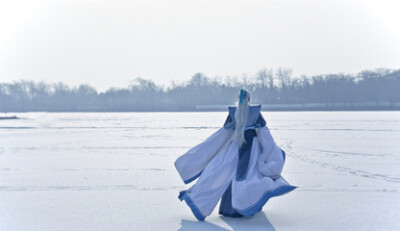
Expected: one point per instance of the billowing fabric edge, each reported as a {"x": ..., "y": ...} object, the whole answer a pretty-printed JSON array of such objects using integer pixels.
[
  {"x": 181, "y": 194},
  {"x": 193, "y": 178},
  {"x": 284, "y": 155},
  {"x": 191, "y": 164},
  {"x": 250, "y": 211},
  {"x": 196, "y": 212}
]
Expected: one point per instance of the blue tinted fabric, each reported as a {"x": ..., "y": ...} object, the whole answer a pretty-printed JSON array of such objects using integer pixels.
[
  {"x": 193, "y": 178},
  {"x": 227, "y": 172},
  {"x": 225, "y": 207},
  {"x": 193, "y": 207},
  {"x": 254, "y": 118},
  {"x": 244, "y": 154},
  {"x": 258, "y": 206}
]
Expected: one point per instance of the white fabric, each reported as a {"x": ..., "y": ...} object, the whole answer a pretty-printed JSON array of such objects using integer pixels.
[
  {"x": 214, "y": 180},
  {"x": 265, "y": 165},
  {"x": 195, "y": 160},
  {"x": 271, "y": 160},
  {"x": 249, "y": 191}
]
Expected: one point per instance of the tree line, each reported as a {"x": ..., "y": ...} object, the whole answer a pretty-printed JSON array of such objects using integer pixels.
[{"x": 267, "y": 86}]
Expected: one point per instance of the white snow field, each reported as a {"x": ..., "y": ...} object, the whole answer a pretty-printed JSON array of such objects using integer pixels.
[{"x": 114, "y": 171}]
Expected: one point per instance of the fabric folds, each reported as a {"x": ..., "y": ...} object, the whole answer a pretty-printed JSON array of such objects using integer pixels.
[{"x": 245, "y": 178}]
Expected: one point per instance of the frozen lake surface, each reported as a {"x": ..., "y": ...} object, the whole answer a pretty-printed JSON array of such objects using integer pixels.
[{"x": 114, "y": 171}]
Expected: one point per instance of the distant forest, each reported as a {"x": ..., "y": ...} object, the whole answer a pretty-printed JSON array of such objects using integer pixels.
[{"x": 269, "y": 87}]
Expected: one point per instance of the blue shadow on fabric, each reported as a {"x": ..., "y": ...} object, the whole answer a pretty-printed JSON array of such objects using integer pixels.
[{"x": 257, "y": 222}]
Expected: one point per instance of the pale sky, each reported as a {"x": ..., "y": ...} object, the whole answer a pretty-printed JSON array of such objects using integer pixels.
[{"x": 110, "y": 43}]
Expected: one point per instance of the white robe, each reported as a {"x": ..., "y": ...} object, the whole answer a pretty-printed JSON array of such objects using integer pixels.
[{"x": 215, "y": 160}]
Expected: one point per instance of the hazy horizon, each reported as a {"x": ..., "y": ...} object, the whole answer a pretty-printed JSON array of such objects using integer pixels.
[{"x": 110, "y": 43}]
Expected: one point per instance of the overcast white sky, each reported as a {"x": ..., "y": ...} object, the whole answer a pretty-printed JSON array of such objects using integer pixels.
[{"x": 109, "y": 43}]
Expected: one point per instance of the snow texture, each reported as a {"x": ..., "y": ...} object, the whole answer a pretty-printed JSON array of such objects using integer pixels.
[{"x": 115, "y": 171}]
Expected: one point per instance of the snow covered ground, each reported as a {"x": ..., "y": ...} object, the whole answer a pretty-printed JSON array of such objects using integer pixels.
[{"x": 114, "y": 171}]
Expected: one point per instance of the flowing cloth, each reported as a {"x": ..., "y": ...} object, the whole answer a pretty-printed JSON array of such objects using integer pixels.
[{"x": 244, "y": 177}]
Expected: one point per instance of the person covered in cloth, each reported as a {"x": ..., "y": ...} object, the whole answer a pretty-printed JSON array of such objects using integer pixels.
[{"x": 240, "y": 162}]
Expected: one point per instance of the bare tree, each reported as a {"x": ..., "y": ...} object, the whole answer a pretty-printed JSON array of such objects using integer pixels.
[
  {"x": 283, "y": 76},
  {"x": 144, "y": 95},
  {"x": 245, "y": 80},
  {"x": 265, "y": 78}
]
